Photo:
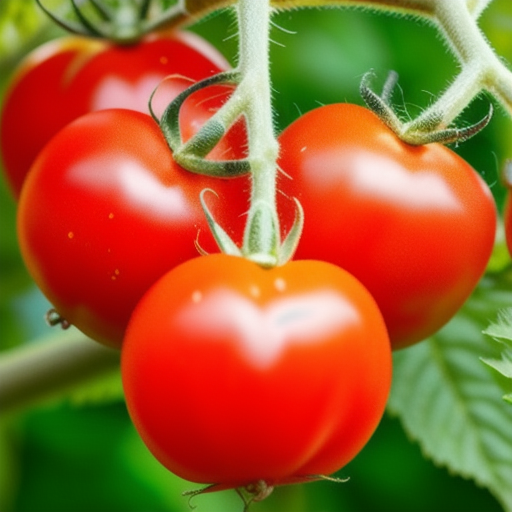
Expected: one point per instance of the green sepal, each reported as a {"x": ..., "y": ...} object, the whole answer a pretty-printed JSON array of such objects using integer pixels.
[
  {"x": 103, "y": 10},
  {"x": 68, "y": 25},
  {"x": 291, "y": 242},
  {"x": 448, "y": 135},
  {"x": 213, "y": 168},
  {"x": 89, "y": 27},
  {"x": 206, "y": 139},
  {"x": 262, "y": 237},
  {"x": 144, "y": 9},
  {"x": 190, "y": 155},
  {"x": 426, "y": 131},
  {"x": 380, "y": 105},
  {"x": 109, "y": 25},
  {"x": 170, "y": 122},
  {"x": 226, "y": 245}
]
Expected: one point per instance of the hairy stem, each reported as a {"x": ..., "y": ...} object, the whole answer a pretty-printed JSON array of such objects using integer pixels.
[
  {"x": 261, "y": 241},
  {"x": 481, "y": 67},
  {"x": 416, "y": 7},
  {"x": 419, "y": 7}
]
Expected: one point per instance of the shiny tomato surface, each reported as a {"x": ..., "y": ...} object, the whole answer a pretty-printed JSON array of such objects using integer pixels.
[
  {"x": 71, "y": 76},
  {"x": 235, "y": 374},
  {"x": 507, "y": 216},
  {"x": 415, "y": 225},
  {"x": 106, "y": 211}
]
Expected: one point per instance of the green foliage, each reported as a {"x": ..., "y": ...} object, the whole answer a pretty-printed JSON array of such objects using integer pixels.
[
  {"x": 501, "y": 332},
  {"x": 449, "y": 401}
]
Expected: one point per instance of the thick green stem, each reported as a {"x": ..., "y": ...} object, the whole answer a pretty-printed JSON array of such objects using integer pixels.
[
  {"x": 261, "y": 242},
  {"x": 40, "y": 371}
]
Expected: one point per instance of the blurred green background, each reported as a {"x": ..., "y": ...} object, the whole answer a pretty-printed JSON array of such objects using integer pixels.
[{"x": 70, "y": 458}]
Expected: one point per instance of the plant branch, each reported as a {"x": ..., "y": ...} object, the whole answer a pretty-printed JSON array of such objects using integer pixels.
[
  {"x": 39, "y": 371},
  {"x": 456, "y": 19},
  {"x": 481, "y": 67},
  {"x": 416, "y": 7}
]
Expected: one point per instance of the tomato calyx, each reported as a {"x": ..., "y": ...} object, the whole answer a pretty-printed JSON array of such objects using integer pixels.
[
  {"x": 124, "y": 23},
  {"x": 259, "y": 490},
  {"x": 430, "y": 129},
  {"x": 191, "y": 154},
  {"x": 253, "y": 492},
  {"x": 250, "y": 101}
]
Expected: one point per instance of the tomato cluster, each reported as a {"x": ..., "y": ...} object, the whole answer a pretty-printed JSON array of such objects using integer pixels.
[{"x": 235, "y": 374}]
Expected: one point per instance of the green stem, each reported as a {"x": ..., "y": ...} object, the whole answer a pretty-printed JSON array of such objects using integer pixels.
[
  {"x": 481, "y": 67},
  {"x": 40, "y": 371},
  {"x": 251, "y": 99},
  {"x": 417, "y": 7},
  {"x": 261, "y": 241}
]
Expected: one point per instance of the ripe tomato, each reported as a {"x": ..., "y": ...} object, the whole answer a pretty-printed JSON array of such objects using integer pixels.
[
  {"x": 105, "y": 211},
  {"x": 69, "y": 77},
  {"x": 415, "y": 225},
  {"x": 507, "y": 211},
  {"x": 507, "y": 216},
  {"x": 235, "y": 374}
]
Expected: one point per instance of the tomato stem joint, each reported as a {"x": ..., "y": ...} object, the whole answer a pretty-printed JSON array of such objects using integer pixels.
[{"x": 428, "y": 129}]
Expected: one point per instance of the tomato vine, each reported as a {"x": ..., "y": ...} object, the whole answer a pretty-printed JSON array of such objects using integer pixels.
[
  {"x": 265, "y": 240},
  {"x": 481, "y": 69}
]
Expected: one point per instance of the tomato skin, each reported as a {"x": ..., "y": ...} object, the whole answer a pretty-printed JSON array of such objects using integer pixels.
[
  {"x": 105, "y": 211},
  {"x": 69, "y": 77},
  {"x": 415, "y": 225},
  {"x": 507, "y": 219},
  {"x": 235, "y": 374}
]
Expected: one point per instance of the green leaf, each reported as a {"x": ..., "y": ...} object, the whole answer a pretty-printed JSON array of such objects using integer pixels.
[
  {"x": 501, "y": 332},
  {"x": 449, "y": 401}
]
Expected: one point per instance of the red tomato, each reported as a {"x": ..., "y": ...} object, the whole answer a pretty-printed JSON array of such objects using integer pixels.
[
  {"x": 507, "y": 216},
  {"x": 106, "y": 211},
  {"x": 415, "y": 225},
  {"x": 69, "y": 77},
  {"x": 507, "y": 211},
  {"x": 235, "y": 374}
]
